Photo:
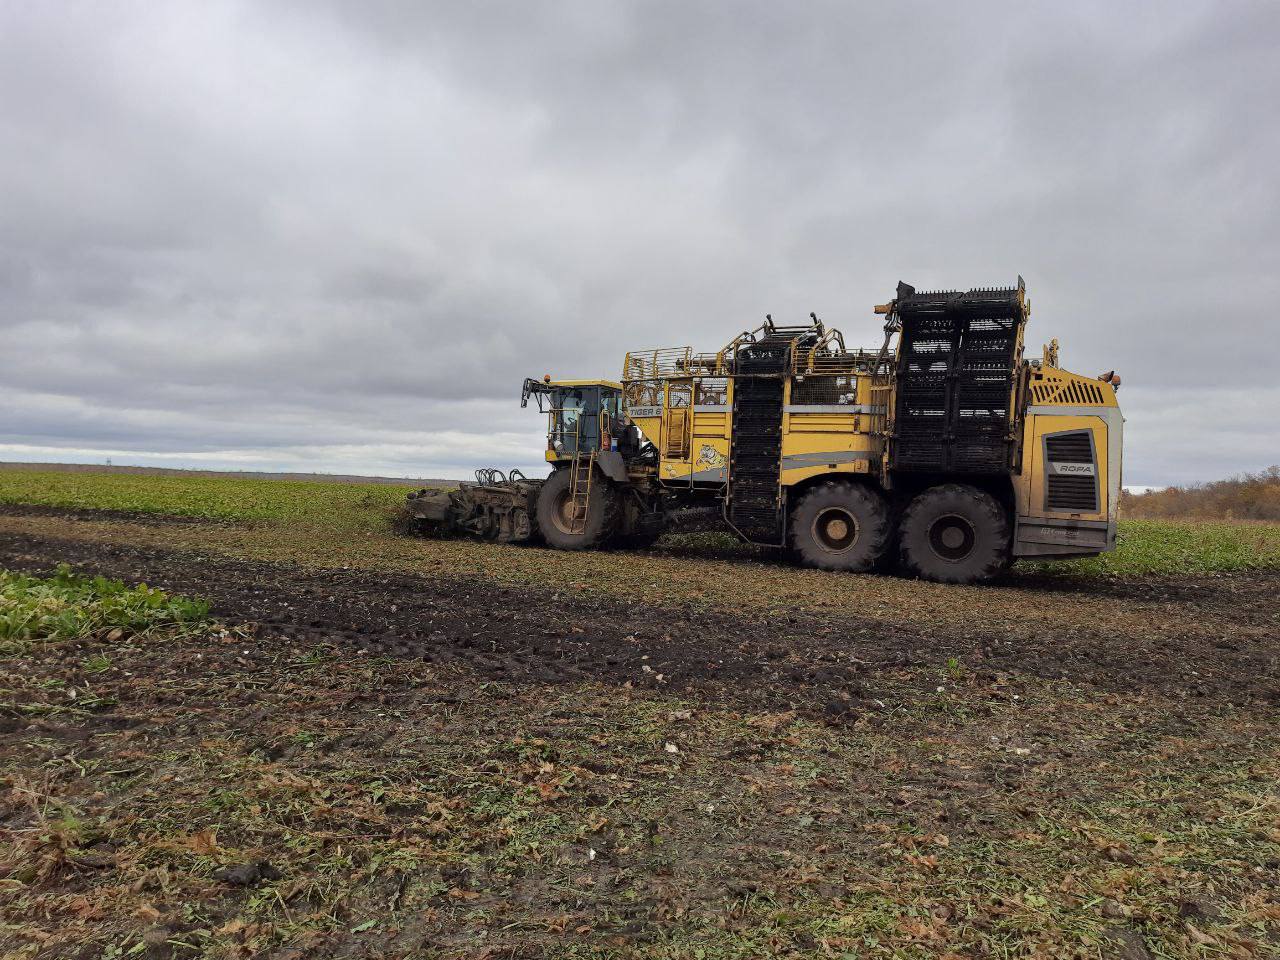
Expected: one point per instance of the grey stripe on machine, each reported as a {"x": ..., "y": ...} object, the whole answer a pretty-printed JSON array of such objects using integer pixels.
[
  {"x": 796, "y": 461},
  {"x": 717, "y": 474},
  {"x": 833, "y": 408}
]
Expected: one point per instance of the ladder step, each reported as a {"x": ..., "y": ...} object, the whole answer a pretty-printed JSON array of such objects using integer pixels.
[{"x": 580, "y": 490}]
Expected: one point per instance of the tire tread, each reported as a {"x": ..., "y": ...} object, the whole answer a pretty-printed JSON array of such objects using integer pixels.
[
  {"x": 987, "y": 511},
  {"x": 874, "y": 523},
  {"x": 604, "y": 503}
]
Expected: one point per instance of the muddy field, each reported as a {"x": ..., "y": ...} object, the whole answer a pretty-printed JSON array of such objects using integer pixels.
[
  {"x": 358, "y": 761},
  {"x": 792, "y": 659}
]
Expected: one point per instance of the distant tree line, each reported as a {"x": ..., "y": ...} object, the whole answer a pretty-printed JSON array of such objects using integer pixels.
[{"x": 1248, "y": 496}]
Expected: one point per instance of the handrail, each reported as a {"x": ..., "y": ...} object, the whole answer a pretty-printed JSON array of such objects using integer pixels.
[
  {"x": 830, "y": 354},
  {"x": 832, "y": 335}
]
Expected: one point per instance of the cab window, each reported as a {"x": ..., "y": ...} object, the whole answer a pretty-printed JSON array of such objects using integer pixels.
[{"x": 568, "y": 410}]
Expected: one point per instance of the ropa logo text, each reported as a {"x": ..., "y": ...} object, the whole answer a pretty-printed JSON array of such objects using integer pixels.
[{"x": 1073, "y": 469}]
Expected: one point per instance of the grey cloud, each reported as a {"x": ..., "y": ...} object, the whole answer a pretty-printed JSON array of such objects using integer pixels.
[{"x": 296, "y": 228}]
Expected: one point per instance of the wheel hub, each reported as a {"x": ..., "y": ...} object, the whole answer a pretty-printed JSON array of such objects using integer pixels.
[
  {"x": 564, "y": 513},
  {"x": 835, "y": 529},
  {"x": 952, "y": 537}
]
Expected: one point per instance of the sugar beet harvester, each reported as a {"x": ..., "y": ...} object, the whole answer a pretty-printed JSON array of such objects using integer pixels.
[{"x": 947, "y": 451}]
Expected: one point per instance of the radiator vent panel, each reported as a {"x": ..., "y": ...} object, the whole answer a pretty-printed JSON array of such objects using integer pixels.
[{"x": 1071, "y": 472}]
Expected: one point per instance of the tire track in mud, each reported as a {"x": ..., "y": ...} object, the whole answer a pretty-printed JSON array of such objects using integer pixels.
[
  {"x": 501, "y": 631},
  {"x": 834, "y": 662}
]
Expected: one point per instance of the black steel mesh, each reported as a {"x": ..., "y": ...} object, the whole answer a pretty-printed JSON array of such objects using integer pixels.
[{"x": 954, "y": 378}]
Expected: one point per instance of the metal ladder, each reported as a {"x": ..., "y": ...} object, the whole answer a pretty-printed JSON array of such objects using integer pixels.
[{"x": 580, "y": 490}]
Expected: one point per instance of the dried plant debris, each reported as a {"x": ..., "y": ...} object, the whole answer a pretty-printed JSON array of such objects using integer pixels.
[{"x": 308, "y": 737}]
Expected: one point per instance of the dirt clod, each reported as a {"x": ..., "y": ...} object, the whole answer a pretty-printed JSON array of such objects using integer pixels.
[{"x": 247, "y": 874}]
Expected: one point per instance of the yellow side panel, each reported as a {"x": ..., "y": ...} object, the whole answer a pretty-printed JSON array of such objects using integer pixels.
[
  {"x": 710, "y": 424},
  {"x": 710, "y": 453},
  {"x": 826, "y": 422},
  {"x": 1032, "y": 485},
  {"x": 707, "y": 457},
  {"x": 793, "y": 475},
  {"x": 708, "y": 463},
  {"x": 1053, "y": 386},
  {"x": 651, "y": 427},
  {"x": 814, "y": 443}
]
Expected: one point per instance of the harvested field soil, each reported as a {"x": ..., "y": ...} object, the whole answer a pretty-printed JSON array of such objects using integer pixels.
[
  {"x": 797, "y": 659},
  {"x": 432, "y": 760},
  {"x": 123, "y": 516}
]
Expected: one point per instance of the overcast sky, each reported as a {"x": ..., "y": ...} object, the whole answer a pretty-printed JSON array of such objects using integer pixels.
[{"x": 336, "y": 237}]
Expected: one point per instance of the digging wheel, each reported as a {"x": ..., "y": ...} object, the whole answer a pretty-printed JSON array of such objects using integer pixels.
[
  {"x": 555, "y": 513},
  {"x": 840, "y": 526},
  {"x": 954, "y": 533}
]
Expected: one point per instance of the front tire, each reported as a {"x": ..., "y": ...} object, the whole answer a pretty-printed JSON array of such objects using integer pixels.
[
  {"x": 555, "y": 513},
  {"x": 954, "y": 534},
  {"x": 840, "y": 526}
]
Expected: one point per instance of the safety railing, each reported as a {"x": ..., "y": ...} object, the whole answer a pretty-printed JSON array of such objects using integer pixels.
[
  {"x": 820, "y": 360},
  {"x": 657, "y": 364}
]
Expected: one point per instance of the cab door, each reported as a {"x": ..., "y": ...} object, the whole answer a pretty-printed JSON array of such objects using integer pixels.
[{"x": 576, "y": 419}]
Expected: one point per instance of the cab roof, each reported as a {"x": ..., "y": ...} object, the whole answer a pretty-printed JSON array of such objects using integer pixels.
[{"x": 584, "y": 383}]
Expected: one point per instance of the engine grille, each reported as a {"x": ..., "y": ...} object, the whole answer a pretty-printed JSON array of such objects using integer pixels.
[{"x": 1071, "y": 477}]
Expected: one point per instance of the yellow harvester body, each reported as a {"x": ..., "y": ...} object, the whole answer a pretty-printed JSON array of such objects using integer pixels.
[
  {"x": 1051, "y": 451},
  {"x": 944, "y": 452}
]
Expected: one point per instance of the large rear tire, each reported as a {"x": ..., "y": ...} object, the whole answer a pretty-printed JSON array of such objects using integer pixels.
[
  {"x": 954, "y": 533},
  {"x": 840, "y": 526},
  {"x": 555, "y": 513}
]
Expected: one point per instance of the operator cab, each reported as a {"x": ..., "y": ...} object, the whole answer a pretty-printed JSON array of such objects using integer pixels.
[{"x": 583, "y": 415}]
